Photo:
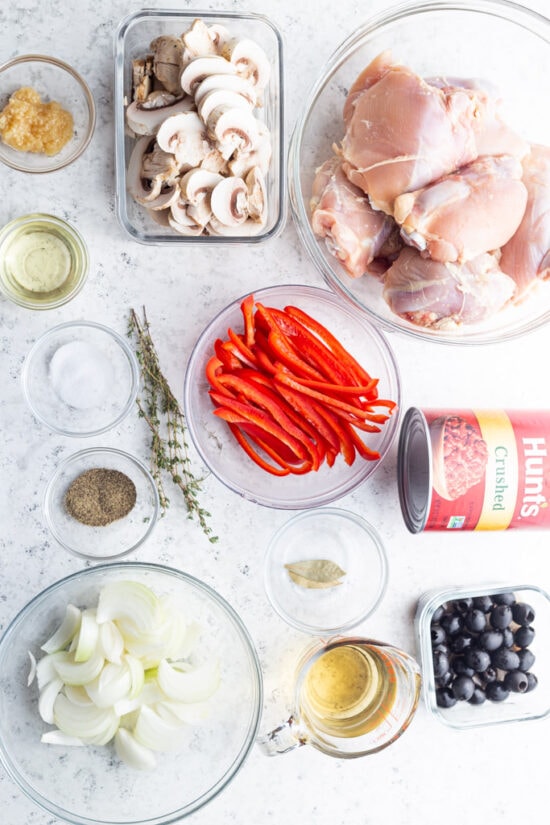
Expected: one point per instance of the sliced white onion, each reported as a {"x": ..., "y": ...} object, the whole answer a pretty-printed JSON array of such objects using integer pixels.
[
  {"x": 45, "y": 668},
  {"x": 47, "y": 698},
  {"x": 32, "y": 670},
  {"x": 154, "y": 732},
  {"x": 85, "y": 721},
  {"x": 86, "y": 642},
  {"x": 77, "y": 695},
  {"x": 113, "y": 683},
  {"x": 111, "y": 642},
  {"x": 79, "y": 673},
  {"x": 57, "y": 737},
  {"x": 133, "y": 752},
  {"x": 133, "y": 602},
  {"x": 149, "y": 695},
  {"x": 65, "y": 632},
  {"x": 137, "y": 675},
  {"x": 193, "y": 685}
]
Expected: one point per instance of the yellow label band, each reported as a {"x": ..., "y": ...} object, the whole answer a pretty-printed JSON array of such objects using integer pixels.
[{"x": 501, "y": 477}]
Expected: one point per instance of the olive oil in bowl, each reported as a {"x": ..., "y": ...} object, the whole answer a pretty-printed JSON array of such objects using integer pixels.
[{"x": 43, "y": 261}]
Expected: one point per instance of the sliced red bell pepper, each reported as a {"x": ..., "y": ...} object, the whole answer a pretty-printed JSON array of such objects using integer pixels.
[
  {"x": 256, "y": 457},
  {"x": 336, "y": 403},
  {"x": 345, "y": 443},
  {"x": 214, "y": 368},
  {"x": 331, "y": 341},
  {"x": 225, "y": 354},
  {"x": 247, "y": 309},
  {"x": 364, "y": 451},
  {"x": 241, "y": 350},
  {"x": 303, "y": 405},
  {"x": 261, "y": 350}
]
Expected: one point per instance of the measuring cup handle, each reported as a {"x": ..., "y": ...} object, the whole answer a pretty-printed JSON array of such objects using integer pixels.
[{"x": 286, "y": 737}]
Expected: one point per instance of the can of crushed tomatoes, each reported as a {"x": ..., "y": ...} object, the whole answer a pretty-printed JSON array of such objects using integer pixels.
[{"x": 474, "y": 469}]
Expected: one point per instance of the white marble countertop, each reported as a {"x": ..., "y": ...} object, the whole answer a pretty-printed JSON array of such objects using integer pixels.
[{"x": 431, "y": 774}]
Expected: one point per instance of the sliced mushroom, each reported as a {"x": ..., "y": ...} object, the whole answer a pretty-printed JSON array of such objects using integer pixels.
[
  {"x": 249, "y": 59},
  {"x": 159, "y": 165},
  {"x": 214, "y": 161},
  {"x": 230, "y": 82},
  {"x": 197, "y": 184},
  {"x": 160, "y": 216},
  {"x": 257, "y": 205},
  {"x": 229, "y": 201},
  {"x": 155, "y": 193},
  {"x": 197, "y": 41},
  {"x": 219, "y": 35},
  {"x": 147, "y": 121},
  {"x": 158, "y": 99},
  {"x": 183, "y": 135},
  {"x": 221, "y": 97},
  {"x": 180, "y": 221},
  {"x": 259, "y": 155},
  {"x": 232, "y": 129},
  {"x": 201, "y": 67},
  {"x": 142, "y": 78},
  {"x": 246, "y": 229},
  {"x": 168, "y": 53}
]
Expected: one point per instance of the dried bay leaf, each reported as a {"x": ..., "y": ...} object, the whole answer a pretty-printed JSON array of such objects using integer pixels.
[{"x": 315, "y": 573}]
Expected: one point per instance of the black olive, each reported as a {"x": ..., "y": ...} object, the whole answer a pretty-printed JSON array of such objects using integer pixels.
[
  {"x": 463, "y": 605},
  {"x": 507, "y": 637},
  {"x": 438, "y": 613},
  {"x": 460, "y": 643},
  {"x": 490, "y": 640},
  {"x": 500, "y": 616},
  {"x": 496, "y": 692},
  {"x": 452, "y": 623},
  {"x": 461, "y": 667},
  {"x": 505, "y": 659},
  {"x": 475, "y": 621},
  {"x": 532, "y": 681},
  {"x": 463, "y": 687},
  {"x": 441, "y": 663},
  {"x": 516, "y": 681},
  {"x": 437, "y": 634},
  {"x": 526, "y": 659},
  {"x": 479, "y": 660},
  {"x": 478, "y": 696},
  {"x": 524, "y": 635},
  {"x": 445, "y": 697},
  {"x": 523, "y": 613},
  {"x": 504, "y": 598},
  {"x": 483, "y": 603}
]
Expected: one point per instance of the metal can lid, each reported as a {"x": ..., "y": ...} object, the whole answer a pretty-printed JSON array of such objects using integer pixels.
[{"x": 414, "y": 469}]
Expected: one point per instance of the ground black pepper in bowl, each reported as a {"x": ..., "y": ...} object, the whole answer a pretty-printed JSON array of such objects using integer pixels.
[{"x": 99, "y": 496}]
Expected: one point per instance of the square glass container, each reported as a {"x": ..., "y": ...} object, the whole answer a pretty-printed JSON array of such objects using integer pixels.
[
  {"x": 132, "y": 40},
  {"x": 518, "y": 707}
]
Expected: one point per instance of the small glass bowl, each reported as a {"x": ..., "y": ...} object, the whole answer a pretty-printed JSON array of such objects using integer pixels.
[
  {"x": 119, "y": 382},
  {"x": 517, "y": 707},
  {"x": 132, "y": 41},
  {"x": 338, "y": 536},
  {"x": 113, "y": 540},
  {"x": 34, "y": 230},
  {"x": 226, "y": 458},
  {"x": 455, "y": 40},
  {"x": 56, "y": 81}
]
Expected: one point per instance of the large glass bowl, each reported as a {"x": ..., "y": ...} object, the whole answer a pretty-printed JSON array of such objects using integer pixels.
[
  {"x": 134, "y": 34},
  {"x": 223, "y": 455},
  {"x": 88, "y": 785},
  {"x": 500, "y": 42}
]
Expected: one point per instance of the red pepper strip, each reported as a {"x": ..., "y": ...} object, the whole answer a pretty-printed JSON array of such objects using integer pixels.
[
  {"x": 214, "y": 369},
  {"x": 361, "y": 447},
  {"x": 247, "y": 309},
  {"x": 292, "y": 412},
  {"x": 331, "y": 457},
  {"x": 281, "y": 453},
  {"x": 281, "y": 377},
  {"x": 357, "y": 422},
  {"x": 289, "y": 467},
  {"x": 247, "y": 412},
  {"x": 313, "y": 349},
  {"x": 228, "y": 359},
  {"x": 242, "y": 351},
  {"x": 304, "y": 406},
  {"x": 346, "y": 444},
  {"x": 280, "y": 345},
  {"x": 333, "y": 343},
  {"x": 260, "y": 350},
  {"x": 257, "y": 396},
  {"x": 360, "y": 391},
  {"x": 250, "y": 451}
]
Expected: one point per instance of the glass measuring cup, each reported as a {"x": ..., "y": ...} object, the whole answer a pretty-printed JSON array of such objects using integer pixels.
[{"x": 353, "y": 696}]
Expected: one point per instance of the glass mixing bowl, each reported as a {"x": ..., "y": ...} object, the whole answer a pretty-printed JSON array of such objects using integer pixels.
[
  {"x": 89, "y": 785},
  {"x": 225, "y": 457},
  {"x": 464, "y": 40}
]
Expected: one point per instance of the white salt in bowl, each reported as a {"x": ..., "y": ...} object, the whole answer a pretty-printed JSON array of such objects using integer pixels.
[{"x": 80, "y": 379}]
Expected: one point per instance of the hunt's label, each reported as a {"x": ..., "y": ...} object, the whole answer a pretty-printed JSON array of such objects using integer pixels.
[{"x": 490, "y": 469}]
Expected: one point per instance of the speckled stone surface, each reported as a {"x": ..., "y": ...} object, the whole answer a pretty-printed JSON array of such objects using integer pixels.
[{"x": 432, "y": 775}]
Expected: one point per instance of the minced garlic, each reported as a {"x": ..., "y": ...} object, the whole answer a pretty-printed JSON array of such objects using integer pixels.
[{"x": 28, "y": 125}]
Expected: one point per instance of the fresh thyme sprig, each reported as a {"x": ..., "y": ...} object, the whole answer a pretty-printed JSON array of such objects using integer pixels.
[{"x": 160, "y": 409}]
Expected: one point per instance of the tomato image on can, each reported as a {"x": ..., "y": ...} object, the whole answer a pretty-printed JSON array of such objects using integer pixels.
[{"x": 474, "y": 469}]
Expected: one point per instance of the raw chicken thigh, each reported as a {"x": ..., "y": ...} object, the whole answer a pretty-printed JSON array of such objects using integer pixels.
[
  {"x": 341, "y": 214},
  {"x": 403, "y": 133},
  {"x": 438, "y": 295},
  {"x": 473, "y": 210},
  {"x": 526, "y": 257}
]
